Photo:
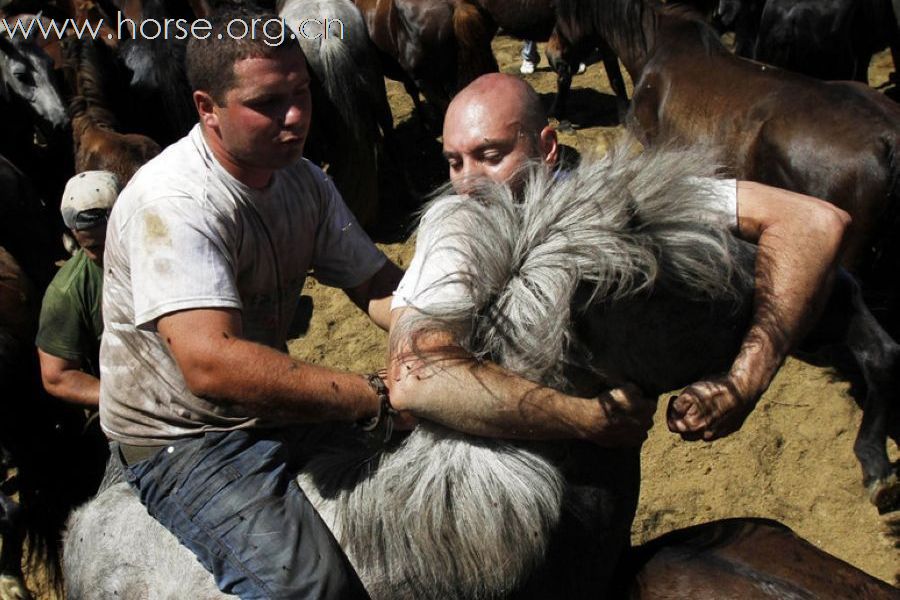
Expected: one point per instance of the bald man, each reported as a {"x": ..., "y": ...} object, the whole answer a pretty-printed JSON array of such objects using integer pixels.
[{"x": 496, "y": 129}]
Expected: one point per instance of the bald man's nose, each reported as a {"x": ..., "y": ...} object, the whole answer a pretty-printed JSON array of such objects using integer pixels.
[{"x": 468, "y": 176}]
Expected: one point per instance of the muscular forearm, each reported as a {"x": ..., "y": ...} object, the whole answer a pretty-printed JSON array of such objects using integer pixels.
[
  {"x": 76, "y": 387},
  {"x": 266, "y": 383},
  {"x": 440, "y": 382},
  {"x": 482, "y": 399},
  {"x": 796, "y": 255}
]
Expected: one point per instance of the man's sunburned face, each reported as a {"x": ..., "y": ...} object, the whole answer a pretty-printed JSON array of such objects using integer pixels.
[
  {"x": 264, "y": 119},
  {"x": 482, "y": 142}
]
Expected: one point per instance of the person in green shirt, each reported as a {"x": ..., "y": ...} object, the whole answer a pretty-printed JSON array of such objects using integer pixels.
[{"x": 68, "y": 339}]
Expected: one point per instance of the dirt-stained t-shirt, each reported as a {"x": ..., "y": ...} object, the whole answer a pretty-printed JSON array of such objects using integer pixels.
[
  {"x": 71, "y": 325},
  {"x": 185, "y": 234}
]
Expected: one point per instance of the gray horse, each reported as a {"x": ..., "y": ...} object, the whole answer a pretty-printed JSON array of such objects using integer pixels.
[
  {"x": 25, "y": 74},
  {"x": 349, "y": 98},
  {"x": 560, "y": 282}
]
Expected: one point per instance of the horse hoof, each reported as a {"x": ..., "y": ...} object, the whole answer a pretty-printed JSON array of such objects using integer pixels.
[{"x": 885, "y": 493}]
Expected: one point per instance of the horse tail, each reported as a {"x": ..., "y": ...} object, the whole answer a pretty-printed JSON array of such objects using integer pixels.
[
  {"x": 342, "y": 63},
  {"x": 473, "y": 32}
]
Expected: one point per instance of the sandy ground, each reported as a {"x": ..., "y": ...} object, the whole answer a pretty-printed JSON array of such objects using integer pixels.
[{"x": 793, "y": 460}]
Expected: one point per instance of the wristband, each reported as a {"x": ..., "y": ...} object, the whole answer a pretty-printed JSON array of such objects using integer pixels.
[{"x": 384, "y": 418}]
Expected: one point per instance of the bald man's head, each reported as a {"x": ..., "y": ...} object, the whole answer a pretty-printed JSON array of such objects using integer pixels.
[{"x": 495, "y": 128}]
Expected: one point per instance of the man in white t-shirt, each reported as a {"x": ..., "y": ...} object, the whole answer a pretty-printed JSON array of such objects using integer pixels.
[
  {"x": 496, "y": 129},
  {"x": 207, "y": 251}
]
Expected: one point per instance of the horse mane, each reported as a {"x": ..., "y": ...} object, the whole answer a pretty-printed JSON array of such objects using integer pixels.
[
  {"x": 88, "y": 101},
  {"x": 620, "y": 22},
  {"x": 632, "y": 23},
  {"x": 623, "y": 226},
  {"x": 691, "y": 14}
]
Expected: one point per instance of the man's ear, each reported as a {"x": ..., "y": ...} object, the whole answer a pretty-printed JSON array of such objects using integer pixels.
[
  {"x": 549, "y": 146},
  {"x": 205, "y": 104}
]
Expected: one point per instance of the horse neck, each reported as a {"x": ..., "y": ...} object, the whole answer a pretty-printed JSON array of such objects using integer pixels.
[
  {"x": 89, "y": 88},
  {"x": 626, "y": 26}
]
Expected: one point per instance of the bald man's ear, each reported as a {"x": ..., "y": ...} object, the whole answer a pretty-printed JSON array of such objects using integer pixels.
[{"x": 549, "y": 146}]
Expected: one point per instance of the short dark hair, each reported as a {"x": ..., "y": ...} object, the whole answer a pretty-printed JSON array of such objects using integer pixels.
[{"x": 210, "y": 61}]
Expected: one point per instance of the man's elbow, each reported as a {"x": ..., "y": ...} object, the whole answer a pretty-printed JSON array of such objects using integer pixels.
[
  {"x": 833, "y": 222},
  {"x": 203, "y": 378},
  {"x": 53, "y": 382}
]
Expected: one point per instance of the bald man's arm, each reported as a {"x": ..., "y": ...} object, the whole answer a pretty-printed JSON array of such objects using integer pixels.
[
  {"x": 799, "y": 240},
  {"x": 436, "y": 380}
]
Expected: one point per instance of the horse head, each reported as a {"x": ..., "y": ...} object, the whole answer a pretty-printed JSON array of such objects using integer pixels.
[{"x": 26, "y": 76}]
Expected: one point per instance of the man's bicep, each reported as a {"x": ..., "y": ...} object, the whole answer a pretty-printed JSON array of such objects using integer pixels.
[
  {"x": 52, "y": 367},
  {"x": 193, "y": 336}
]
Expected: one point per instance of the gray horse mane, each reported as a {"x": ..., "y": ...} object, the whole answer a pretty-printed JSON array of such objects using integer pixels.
[{"x": 621, "y": 226}]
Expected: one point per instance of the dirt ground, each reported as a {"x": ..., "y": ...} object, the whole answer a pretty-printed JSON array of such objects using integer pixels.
[{"x": 792, "y": 461}]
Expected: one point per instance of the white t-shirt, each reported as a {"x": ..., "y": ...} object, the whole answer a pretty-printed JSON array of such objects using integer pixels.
[
  {"x": 185, "y": 234},
  {"x": 429, "y": 282}
]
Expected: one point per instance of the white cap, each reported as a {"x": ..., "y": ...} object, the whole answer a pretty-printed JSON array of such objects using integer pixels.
[{"x": 88, "y": 191}]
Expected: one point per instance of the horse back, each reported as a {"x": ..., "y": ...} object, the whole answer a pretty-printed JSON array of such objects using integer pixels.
[
  {"x": 832, "y": 140},
  {"x": 531, "y": 21},
  {"x": 743, "y": 558}
]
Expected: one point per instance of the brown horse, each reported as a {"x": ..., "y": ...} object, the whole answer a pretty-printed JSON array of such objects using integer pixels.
[
  {"x": 98, "y": 143},
  {"x": 833, "y": 140},
  {"x": 741, "y": 558},
  {"x": 433, "y": 46},
  {"x": 536, "y": 20}
]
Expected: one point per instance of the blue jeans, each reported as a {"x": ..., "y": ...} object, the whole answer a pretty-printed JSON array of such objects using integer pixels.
[{"x": 231, "y": 498}]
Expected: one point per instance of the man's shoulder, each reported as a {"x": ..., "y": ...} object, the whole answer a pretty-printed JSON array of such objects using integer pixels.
[
  {"x": 179, "y": 170},
  {"x": 71, "y": 274}
]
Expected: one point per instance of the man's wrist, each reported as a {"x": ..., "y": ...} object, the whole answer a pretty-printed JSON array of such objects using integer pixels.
[{"x": 381, "y": 423}]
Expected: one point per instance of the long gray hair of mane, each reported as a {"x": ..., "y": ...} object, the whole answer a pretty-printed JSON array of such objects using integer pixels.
[{"x": 621, "y": 227}]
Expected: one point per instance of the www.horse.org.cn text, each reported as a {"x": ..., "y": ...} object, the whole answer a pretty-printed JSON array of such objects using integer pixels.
[{"x": 270, "y": 31}]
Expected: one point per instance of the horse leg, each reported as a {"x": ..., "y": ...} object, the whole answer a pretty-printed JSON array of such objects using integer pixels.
[
  {"x": 12, "y": 534},
  {"x": 848, "y": 322},
  {"x": 878, "y": 356},
  {"x": 558, "y": 55},
  {"x": 616, "y": 82},
  {"x": 563, "y": 86}
]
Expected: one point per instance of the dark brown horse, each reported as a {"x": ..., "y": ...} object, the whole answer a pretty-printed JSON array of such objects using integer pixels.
[
  {"x": 828, "y": 39},
  {"x": 833, "y": 140},
  {"x": 536, "y": 20},
  {"x": 838, "y": 141},
  {"x": 435, "y": 47},
  {"x": 95, "y": 130},
  {"x": 741, "y": 558}
]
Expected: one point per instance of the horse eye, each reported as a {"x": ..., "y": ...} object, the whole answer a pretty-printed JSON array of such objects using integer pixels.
[{"x": 24, "y": 77}]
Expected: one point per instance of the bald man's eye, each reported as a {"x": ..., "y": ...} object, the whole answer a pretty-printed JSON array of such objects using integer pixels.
[
  {"x": 454, "y": 164},
  {"x": 492, "y": 158}
]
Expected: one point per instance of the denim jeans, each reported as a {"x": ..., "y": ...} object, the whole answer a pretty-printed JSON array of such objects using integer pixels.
[{"x": 231, "y": 498}]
